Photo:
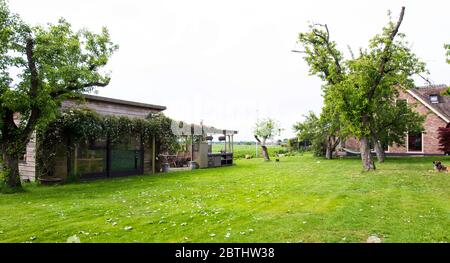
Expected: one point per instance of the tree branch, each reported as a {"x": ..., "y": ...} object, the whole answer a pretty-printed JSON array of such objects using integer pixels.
[
  {"x": 34, "y": 85},
  {"x": 326, "y": 40},
  {"x": 78, "y": 87},
  {"x": 385, "y": 55},
  {"x": 34, "y": 81}
]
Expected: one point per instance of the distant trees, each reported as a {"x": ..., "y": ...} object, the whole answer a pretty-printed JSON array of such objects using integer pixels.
[
  {"x": 264, "y": 130},
  {"x": 319, "y": 131},
  {"x": 360, "y": 93},
  {"x": 447, "y": 48}
]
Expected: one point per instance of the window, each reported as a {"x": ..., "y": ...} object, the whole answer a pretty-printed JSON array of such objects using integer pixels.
[
  {"x": 434, "y": 98},
  {"x": 415, "y": 142},
  {"x": 90, "y": 158},
  {"x": 23, "y": 158}
]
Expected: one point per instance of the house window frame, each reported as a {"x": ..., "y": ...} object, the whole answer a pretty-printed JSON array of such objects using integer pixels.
[
  {"x": 23, "y": 159},
  {"x": 389, "y": 147},
  {"x": 407, "y": 144},
  {"x": 435, "y": 96}
]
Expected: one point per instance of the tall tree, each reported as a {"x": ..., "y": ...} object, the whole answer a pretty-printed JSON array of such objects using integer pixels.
[
  {"x": 264, "y": 130},
  {"x": 326, "y": 62},
  {"x": 362, "y": 88},
  {"x": 373, "y": 82},
  {"x": 447, "y": 48},
  {"x": 39, "y": 68}
]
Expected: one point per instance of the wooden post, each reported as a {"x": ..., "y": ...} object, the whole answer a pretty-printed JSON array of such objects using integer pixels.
[
  {"x": 232, "y": 143},
  {"x": 225, "y": 141},
  {"x": 108, "y": 156},
  {"x": 192, "y": 147},
  {"x": 75, "y": 159},
  {"x": 153, "y": 155}
]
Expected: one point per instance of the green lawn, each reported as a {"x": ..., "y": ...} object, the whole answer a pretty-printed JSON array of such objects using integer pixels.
[
  {"x": 240, "y": 151},
  {"x": 299, "y": 199}
]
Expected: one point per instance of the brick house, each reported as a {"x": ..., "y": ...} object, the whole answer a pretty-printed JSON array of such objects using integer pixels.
[
  {"x": 426, "y": 100},
  {"x": 92, "y": 158}
]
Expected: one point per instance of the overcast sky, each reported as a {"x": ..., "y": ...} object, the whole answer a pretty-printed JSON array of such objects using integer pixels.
[{"x": 225, "y": 62}]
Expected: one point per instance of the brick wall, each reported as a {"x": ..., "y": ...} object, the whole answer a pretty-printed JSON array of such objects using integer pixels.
[
  {"x": 430, "y": 138},
  {"x": 351, "y": 143}
]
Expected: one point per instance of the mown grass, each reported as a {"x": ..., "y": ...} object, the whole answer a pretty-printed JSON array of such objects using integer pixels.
[
  {"x": 299, "y": 199},
  {"x": 241, "y": 150}
]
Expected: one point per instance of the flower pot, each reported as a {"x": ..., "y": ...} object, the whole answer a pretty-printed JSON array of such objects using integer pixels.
[
  {"x": 165, "y": 167},
  {"x": 193, "y": 165}
]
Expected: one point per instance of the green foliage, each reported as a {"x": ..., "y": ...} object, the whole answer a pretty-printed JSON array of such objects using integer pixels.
[
  {"x": 41, "y": 66},
  {"x": 447, "y": 48},
  {"x": 360, "y": 93},
  {"x": 266, "y": 128},
  {"x": 391, "y": 122},
  {"x": 160, "y": 125},
  {"x": 367, "y": 92},
  {"x": 74, "y": 126},
  {"x": 314, "y": 130}
]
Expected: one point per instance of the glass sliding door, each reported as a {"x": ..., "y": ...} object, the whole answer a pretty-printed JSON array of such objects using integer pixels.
[
  {"x": 90, "y": 159},
  {"x": 126, "y": 157}
]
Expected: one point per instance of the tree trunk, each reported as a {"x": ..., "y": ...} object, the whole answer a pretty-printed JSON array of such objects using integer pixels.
[
  {"x": 377, "y": 145},
  {"x": 332, "y": 143},
  {"x": 265, "y": 153},
  {"x": 366, "y": 156},
  {"x": 329, "y": 152},
  {"x": 329, "y": 148},
  {"x": 11, "y": 168},
  {"x": 379, "y": 150}
]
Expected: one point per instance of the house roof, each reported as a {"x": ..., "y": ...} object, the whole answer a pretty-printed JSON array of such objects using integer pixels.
[
  {"x": 124, "y": 102},
  {"x": 442, "y": 109}
]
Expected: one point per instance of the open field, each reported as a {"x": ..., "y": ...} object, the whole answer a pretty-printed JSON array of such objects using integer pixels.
[
  {"x": 240, "y": 151},
  {"x": 299, "y": 199}
]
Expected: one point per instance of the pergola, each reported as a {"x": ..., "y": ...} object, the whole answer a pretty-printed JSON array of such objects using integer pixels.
[{"x": 205, "y": 133}]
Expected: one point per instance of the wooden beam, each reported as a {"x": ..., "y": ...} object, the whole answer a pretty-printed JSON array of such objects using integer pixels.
[{"x": 153, "y": 155}]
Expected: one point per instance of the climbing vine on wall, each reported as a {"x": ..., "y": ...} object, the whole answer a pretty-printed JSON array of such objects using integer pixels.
[{"x": 73, "y": 126}]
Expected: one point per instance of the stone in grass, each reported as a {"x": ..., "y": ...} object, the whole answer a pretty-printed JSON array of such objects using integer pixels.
[
  {"x": 73, "y": 239},
  {"x": 128, "y": 228},
  {"x": 373, "y": 239}
]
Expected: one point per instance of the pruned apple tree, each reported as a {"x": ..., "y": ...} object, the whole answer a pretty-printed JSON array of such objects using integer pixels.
[
  {"x": 264, "y": 130},
  {"x": 361, "y": 90}
]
